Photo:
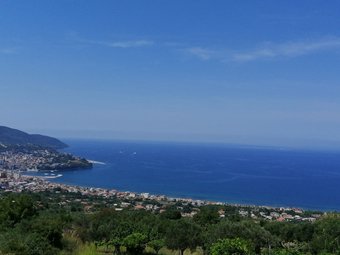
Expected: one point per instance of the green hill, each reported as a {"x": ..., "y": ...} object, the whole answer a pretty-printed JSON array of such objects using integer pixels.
[{"x": 10, "y": 136}]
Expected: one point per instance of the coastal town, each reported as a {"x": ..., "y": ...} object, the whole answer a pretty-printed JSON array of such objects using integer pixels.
[
  {"x": 89, "y": 198},
  {"x": 25, "y": 158}
]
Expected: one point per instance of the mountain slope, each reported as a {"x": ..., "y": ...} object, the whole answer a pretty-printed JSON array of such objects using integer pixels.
[{"x": 10, "y": 136}]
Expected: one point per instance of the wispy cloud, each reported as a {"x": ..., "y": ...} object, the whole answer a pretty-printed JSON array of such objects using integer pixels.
[
  {"x": 266, "y": 51},
  {"x": 201, "y": 53},
  {"x": 290, "y": 49},
  {"x": 121, "y": 44}
]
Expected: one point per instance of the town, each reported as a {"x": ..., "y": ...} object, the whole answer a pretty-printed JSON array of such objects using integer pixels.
[
  {"x": 38, "y": 158},
  {"x": 91, "y": 198}
]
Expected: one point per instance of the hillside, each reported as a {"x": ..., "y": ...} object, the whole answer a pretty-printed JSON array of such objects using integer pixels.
[{"x": 10, "y": 136}]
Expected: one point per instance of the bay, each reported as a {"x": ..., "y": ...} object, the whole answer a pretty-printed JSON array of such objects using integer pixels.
[{"x": 226, "y": 173}]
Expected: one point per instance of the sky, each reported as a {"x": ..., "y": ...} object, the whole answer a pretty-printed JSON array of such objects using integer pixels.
[{"x": 248, "y": 72}]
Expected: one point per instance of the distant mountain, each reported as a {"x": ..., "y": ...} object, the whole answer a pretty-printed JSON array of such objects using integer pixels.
[{"x": 10, "y": 136}]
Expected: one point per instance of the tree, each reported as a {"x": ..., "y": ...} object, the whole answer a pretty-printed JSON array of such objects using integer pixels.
[
  {"x": 246, "y": 229},
  {"x": 183, "y": 234},
  {"x": 234, "y": 246},
  {"x": 50, "y": 227},
  {"x": 17, "y": 242},
  {"x": 156, "y": 244},
  {"x": 172, "y": 214},
  {"x": 207, "y": 215},
  {"x": 116, "y": 243},
  {"x": 135, "y": 243},
  {"x": 15, "y": 208},
  {"x": 327, "y": 234}
]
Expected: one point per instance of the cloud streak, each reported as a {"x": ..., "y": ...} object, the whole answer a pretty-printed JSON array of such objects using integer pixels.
[
  {"x": 291, "y": 49},
  {"x": 201, "y": 53},
  {"x": 121, "y": 44},
  {"x": 267, "y": 51}
]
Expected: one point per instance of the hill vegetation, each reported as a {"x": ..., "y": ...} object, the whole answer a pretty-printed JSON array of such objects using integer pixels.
[
  {"x": 10, "y": 137},
  {"x": 22, "y": 151},
  {"x": 40, "y": 223}
]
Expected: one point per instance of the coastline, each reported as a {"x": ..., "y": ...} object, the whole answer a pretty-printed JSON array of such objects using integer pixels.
[
  {"x": 96, "y": 162},
  {"x": 232, "y": 175},
  {"x": 132, "y": 194},
  {"x": 52, "y": 179},
  {"x": 144, "y": 201}
]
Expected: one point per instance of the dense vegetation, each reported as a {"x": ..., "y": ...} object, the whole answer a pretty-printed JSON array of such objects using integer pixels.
[
  {"x": 10, "y": 136},
  {"x": 34, "y": 224}
]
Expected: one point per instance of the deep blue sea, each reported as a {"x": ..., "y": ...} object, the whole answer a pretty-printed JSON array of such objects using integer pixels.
[{"x": 261, "y": 176}]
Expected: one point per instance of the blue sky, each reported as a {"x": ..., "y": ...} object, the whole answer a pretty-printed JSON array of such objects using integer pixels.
[{"x": 250, "y": 72}]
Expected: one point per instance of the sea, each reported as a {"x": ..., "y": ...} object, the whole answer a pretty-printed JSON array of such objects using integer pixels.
[{"x": 226, "y": 173}]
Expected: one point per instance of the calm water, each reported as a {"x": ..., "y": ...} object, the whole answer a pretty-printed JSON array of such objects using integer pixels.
[{"x": 221, "y": 173}]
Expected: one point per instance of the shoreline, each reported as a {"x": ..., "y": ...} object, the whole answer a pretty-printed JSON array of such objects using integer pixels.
[
  {"x": 193, "y": 198},
  {"x": 218, "y": 174},
  {"x": 183, "y": 198},
  {"x": 96, "y": 162},
  {"x": 17, "y": 183}
]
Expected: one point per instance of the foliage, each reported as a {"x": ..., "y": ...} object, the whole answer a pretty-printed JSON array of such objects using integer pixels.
[
  {"x": 14, "y": 208},
  {"x": 156, "y": 244},
  {"x": 183, "y": 234},
  {"x": 135, "y": 243},
  {"x": 208, "y": 215},
  {"x": 235, "y": 246},
  {"x": 172, "y": 214},
  {"x": 327, "y": 234},
  {"x": 34, "y": 224}
]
